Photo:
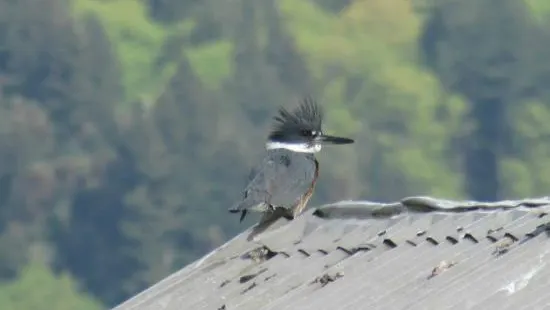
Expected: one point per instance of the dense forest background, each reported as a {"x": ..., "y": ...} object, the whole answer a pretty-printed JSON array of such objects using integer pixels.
[{"x": 127, "y": 127}]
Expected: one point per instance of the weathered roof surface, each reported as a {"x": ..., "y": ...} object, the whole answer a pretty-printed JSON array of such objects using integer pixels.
[{"x": 419, "y": 253}]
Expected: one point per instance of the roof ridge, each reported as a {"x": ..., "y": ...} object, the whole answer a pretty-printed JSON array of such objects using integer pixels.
[{"x": 364, "y": 209}]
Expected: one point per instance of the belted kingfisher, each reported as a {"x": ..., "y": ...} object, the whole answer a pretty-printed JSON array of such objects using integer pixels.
[{"x": 283, "y": 183}]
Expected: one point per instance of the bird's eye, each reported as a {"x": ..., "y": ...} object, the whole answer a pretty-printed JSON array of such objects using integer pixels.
[{"x": 307, "y": 133}]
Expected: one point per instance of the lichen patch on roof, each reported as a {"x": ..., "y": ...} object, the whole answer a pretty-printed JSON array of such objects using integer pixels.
[{"x": 418, "y": 253}]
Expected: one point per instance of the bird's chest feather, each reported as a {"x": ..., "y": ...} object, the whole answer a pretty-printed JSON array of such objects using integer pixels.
[{"x": 299, "y": 170}]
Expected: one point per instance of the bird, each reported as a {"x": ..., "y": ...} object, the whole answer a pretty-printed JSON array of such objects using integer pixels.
[{"x": 283, "y": 182}]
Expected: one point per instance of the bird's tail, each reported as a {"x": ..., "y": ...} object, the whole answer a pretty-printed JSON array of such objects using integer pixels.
[
  {"x": 238, "y": 207},
  {"x": 237, "y": 210},
  {"x": 243, "y": 207},
  {"x": 250, "y": 203}
]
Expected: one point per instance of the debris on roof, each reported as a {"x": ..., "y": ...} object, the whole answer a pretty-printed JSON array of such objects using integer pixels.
[
  {"x": 418, "y": 253},
  {"x": 444, "y": 265},
  {"x": 327, "y": 278}
]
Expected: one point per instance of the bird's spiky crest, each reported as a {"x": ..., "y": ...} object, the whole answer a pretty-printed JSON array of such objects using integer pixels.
[{"x": 308, "y": 116}]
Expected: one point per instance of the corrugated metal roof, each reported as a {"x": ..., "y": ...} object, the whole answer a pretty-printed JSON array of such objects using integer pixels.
[{"x": 419, "y": 253}]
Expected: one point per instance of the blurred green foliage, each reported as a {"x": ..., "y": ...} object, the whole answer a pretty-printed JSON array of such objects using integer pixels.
[
  {"x": 37, "y": 288},
  {"x": 127, "y": 127}
]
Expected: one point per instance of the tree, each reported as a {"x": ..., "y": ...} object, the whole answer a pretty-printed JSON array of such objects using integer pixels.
[
  {"x": 169, "y": 11},
  {"x": 36, "y": 284},
  {"x": 478, "y": 50},
  {"x": 27, "y": 182},
  {"x": 255, "y": 85},
  {"x": 283, "y": 55}
]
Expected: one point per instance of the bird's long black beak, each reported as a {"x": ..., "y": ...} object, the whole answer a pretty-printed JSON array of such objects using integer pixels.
[{"x": 325, "y": 139}]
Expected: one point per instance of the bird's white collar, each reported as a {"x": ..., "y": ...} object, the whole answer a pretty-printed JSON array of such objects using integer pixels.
[{"x": 294, "y": 147}]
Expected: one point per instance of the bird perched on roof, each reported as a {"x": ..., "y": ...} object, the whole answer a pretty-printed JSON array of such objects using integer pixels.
[{"x": 282, "y": 184}]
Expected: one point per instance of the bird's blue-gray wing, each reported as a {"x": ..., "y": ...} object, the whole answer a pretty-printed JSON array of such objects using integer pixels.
[{"x": 254, "y": 195}]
